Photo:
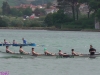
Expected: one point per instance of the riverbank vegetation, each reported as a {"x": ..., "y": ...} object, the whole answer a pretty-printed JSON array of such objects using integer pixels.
[
  {"x": 62, "y": 19},
  {"x": 18, "y": 2}
]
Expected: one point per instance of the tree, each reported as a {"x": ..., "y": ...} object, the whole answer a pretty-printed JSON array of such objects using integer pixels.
[
  {"x": 40, "y": 2},
  {"x": 57, "y": 19},
  {"x": 93, "y": 5},
  {"x": 73, "y": 5},
  {"x": 60, "y": 19},
  {"x": 3, "y": 23},
  {"x": 27, "y": 23},
  {"x": 6, "y": 19},
  {"x": 14, "y": 12},
  {"x": 98, "y": 14},
  {"x": 27, "y": 11},
  {"x": 48, "y": 5},
  {"x": 6, "y": 8},
  {"x": 17, "y": 23},
  {"x": 0, "y": 11},
  {"x": 63, "y": 4},
  {"x": 49, "y": 20},
  {"x": 39, "y": 12}
]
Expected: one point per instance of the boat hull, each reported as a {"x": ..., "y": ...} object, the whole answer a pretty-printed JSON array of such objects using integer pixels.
[
  {"x": 4, "y": 54},
  {"x": 30, "y": 44}
]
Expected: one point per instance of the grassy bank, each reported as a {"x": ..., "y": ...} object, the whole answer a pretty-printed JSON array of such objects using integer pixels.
[
  {"x": 39, "y": 28},
  {"x": 50, "y": 28}
]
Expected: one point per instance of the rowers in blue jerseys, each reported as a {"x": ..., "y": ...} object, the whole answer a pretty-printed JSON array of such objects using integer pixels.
[{"x": 5, "y": 42}]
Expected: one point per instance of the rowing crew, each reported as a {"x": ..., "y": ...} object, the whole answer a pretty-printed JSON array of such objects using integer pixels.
[
  {"x": 23, "y": 52},
  {"x": 14, "y": 42},
  {"x": 91, "y": 50}
]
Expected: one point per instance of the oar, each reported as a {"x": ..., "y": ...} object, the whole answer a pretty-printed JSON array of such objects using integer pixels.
[{"x": 97, "y": 52}]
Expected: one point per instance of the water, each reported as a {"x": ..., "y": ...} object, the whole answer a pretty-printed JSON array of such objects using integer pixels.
[{"x": 53, "y": 41}]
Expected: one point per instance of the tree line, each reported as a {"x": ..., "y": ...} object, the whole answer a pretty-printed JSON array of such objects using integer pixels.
[
  {"x": 14, "y": 17},
  {"x": 6, "y": 10},
  {"x": 75, "y": 20},
  {"x": 59, "y": 19}
]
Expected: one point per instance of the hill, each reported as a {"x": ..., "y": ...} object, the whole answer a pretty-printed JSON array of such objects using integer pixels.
[
  {"x": 18, "y": 2},
  {"x": 14, "y": 2}
]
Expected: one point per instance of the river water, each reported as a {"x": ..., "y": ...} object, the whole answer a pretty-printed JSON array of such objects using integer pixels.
[{"x": 53, "y": 41}]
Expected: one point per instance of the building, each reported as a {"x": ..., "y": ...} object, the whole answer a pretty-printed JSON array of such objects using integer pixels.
[{"x": 52, "y": 9}]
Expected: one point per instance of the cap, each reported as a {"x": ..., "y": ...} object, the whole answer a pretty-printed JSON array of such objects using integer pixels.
[
  {"x": 45, "y": 49},
  {"x": 59, "y": 49}
]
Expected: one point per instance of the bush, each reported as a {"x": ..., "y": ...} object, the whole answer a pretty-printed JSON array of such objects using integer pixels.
[
  {"x": 7, "y": 20},
  {"x": 35, "y": 23},
  {"x": 3, "y": 23},
  {"x": 81, "y": 23},
  {"x": 17, "y": 23}
]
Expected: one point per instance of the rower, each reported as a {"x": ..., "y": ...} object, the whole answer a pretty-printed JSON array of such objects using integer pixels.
[
  {"x": 24, "y": 41},
  {"x": 75, "y": 53},
  {"x": 61, "y": 53},
  {"x": 22, "y": 51},
  {"x": 92, "y": 50},
  {"x": 5, "y": 42},
  {"x": 47, "y": 52},
  {"x": 35, "y": 53},
  {"x": 7, "y": 50},
  {"x": 14, "y": 42}
]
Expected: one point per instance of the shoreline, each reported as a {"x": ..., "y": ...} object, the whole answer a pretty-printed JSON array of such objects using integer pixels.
[
  {"x": 50, "y": 28},
  {"x": 39, "y": 28}
]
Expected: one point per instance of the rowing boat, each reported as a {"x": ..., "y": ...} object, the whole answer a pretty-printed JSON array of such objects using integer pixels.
[
  {"x": 4, "y": 54},
  {"x": 48, "y": 56},
  {"x": 30, "y": 44}
]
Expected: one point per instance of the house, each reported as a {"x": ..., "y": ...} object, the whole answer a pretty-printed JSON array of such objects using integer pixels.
[
  {"x": 33, "y": 16},
  {"x": 84, "y": 9},
  {"x": 51, "y": 10},
  {"x": 33, "y": 7}
]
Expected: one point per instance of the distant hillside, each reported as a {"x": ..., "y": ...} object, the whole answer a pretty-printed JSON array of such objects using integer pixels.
[
  {"x": 18, "y": 2},
  {"x": 38, "y": 2},
  {"x": 14, "y": 2}
]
